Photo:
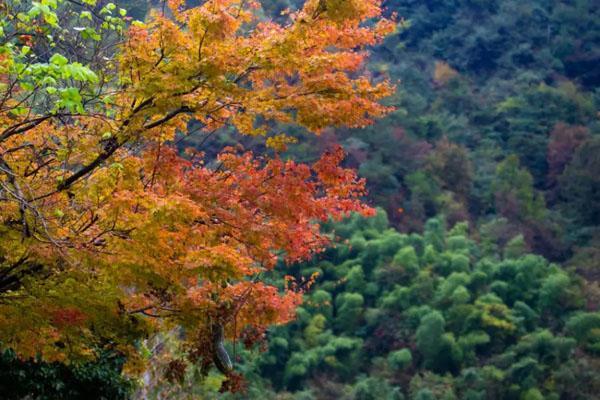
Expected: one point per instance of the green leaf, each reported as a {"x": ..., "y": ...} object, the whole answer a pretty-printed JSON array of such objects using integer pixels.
[
  {"x": 27, "y": 86},
  {"x": 44, "y": 10},
  {"x": 23, "y": 17},
  {"x": 59, "y": 59},
  {"x": 48, "y": 80},
  {"x": 90, "y": 33},
  {"x": 19, "y": 111},
  {"x": 62, "y": 154},
  {"x": 79, "y": 73},
  {"x": 118, "y": 166},
  {"x": 71, "y": 100},
  {"x": 50, "y": 3}
]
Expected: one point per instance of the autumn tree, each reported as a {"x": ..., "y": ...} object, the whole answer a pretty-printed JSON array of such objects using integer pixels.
[
  {"x": 108, "y": 233},
  {"x": 564, "y": 141},
  {"x": 579, "y": 184}
]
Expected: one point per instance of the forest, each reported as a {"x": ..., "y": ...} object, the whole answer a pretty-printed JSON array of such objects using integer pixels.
[{"x": 300, "y": 199}]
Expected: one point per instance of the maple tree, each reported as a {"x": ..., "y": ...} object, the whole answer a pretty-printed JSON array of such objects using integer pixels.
[{"x": 107, "y": 232}]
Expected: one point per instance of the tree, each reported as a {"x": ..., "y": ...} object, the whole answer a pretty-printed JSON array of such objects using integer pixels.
[
  {"x": 101, "y": 379},
  {"x": 515, "y": 195},
  {"x": 349, "y": 312},
  {"x": 579, "y": 184},
  {"x": 564, "y": 141},
  {"x": 376, "y": 389},
  {"x": 436, "y": 347},
  {"x": 108, "y": 233},
  {"x": 400, "y": 359},
  {"x": 469, "y": 325}
]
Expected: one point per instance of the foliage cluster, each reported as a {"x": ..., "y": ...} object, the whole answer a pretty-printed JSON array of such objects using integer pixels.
[
  {"x": 433, "y": 316},
  {"x": 124, "y": 214},
  {"x": 496, "y": 120},
  {"x": 108, "y": 234}
]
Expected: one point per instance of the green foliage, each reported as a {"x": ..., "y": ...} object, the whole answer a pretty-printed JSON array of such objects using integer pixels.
[
  {"x": 101, "y": 379},
  {"x": 400, "y": 359},
  {"x": 515, "y": 195},
  {"x": 375, "y": 389},
  {"x": 444, "y": 321},
  {"x": 580, "y": 184},
  {"x": 585, "y": 327},
  {"x": 349, "y": 309}
]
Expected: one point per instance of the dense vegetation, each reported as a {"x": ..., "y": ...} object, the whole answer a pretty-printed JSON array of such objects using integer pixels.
[
  {"x": 496, "y": 124},
  {"x": 496, "y": 121},
  {"x": 108, "y": 235},
  {"x": 102, "y": 379},
  {"x": 480, "y": 280},
  {"x": 433, "y": 316}
]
